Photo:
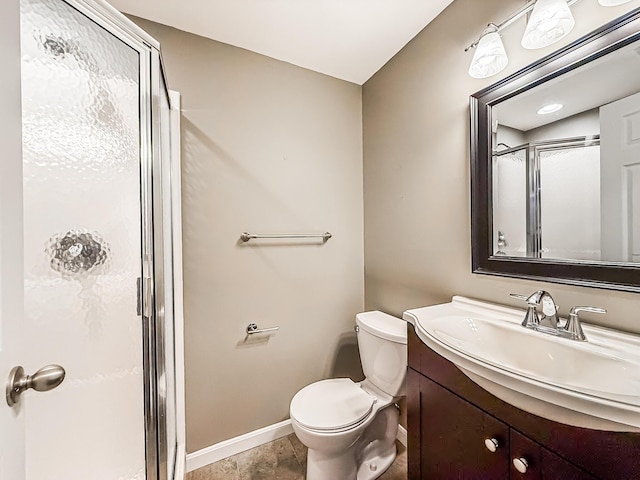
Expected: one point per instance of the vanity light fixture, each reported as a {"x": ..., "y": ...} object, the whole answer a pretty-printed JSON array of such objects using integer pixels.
[
  {"x": 550, "y": 108},
  {"x": 490, "y": 56},
  {"x": 550, "y": 21}
]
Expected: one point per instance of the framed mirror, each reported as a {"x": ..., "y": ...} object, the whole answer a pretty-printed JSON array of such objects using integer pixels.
[{"x": 555, "y": 165}]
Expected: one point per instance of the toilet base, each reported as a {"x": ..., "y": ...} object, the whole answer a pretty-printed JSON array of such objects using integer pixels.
[
  {"x": 368, "y": 458},
  {"x": 376, "y": 466},
  {"x": 325, "y": 467},
  {"x": 374, "y": 457}
]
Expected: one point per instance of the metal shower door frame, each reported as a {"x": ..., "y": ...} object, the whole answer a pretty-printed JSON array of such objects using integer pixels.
[
  {"x": 534, "y": 207},
  {"x": 533, "y": 200}
]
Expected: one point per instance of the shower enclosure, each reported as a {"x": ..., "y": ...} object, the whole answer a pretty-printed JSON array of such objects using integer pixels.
[
  {"x": 98, "y": 224},
  {"x": 546, "y": 199}
]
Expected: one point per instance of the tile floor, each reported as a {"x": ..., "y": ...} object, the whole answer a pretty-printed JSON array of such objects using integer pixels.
[{"x": 282, "y": 459}]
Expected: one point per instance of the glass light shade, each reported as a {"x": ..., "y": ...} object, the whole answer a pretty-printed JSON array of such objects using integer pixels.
[
  {"x": 611, "y": 3},
  {"x": 550, "y": 21},
  {"x": 489, "y": 57}
]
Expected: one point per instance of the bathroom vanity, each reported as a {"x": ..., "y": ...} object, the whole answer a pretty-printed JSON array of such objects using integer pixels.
[
  {"x": 453, "y": 424},
  {"x": 497, "y": 393}
]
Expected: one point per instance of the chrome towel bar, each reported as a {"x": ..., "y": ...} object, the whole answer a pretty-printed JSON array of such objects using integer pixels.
[
  {"x": 252, "y": 328},
  {"x": 245, "y": 237}
]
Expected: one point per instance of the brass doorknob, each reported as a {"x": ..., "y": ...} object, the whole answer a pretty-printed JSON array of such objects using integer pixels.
[{"x": 45, "y": 379}]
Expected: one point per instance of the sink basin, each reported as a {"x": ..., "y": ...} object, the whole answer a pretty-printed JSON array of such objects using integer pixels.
[{"x": 592, "y": 384}]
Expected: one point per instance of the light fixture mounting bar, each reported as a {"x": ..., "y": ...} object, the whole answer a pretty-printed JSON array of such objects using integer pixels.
[{"x": 512, "y": 18}]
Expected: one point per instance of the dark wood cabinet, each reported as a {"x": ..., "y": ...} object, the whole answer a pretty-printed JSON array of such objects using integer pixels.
[
  {"x": 542, "y": 464},
  {"x": 450, "y": 417},
  {"x": 453, "y": 433}
]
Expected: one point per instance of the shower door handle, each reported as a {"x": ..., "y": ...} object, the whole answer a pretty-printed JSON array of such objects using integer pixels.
[{"x": 45, "y": 379}]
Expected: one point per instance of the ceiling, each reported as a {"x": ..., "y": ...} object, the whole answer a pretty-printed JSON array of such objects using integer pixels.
[
  {"x": 347, "y": 39},
  {"x": 599, "y": 82}
]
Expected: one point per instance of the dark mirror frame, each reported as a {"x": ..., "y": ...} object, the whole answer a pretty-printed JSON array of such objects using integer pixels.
[{"x": 617, "y": 276}]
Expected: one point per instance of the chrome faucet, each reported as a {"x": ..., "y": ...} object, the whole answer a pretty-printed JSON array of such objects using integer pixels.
[
  {"x": 548, "y": 321},
  {"x": 549, "y": 318}
]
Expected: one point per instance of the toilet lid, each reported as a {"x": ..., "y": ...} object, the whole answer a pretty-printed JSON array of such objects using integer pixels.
[{"x": 331, "y": 404}]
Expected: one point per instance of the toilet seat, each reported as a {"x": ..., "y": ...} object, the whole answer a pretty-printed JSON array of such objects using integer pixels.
[{"x": 331, "y": 405}]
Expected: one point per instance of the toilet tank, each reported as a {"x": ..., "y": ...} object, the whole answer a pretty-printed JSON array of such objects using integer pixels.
[{"x": 382, "y": 342}]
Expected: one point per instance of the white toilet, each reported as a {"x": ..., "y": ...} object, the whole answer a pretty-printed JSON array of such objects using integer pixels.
[{"x": 350, "y": 428}]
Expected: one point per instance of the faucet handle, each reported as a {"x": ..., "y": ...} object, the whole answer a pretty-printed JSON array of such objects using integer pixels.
[
  {"x": 573, "y": 325},
  {"x": 577, "y": 310},
  {"x": 534, "y": 299},
  {"x": 531, "y": 318}
]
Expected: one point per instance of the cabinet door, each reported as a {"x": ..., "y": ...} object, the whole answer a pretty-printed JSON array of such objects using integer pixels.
[
  {"x": 453, "y": 434},
  {"x": 542, "y": 464},
  {"x": 414, "y": 438}
]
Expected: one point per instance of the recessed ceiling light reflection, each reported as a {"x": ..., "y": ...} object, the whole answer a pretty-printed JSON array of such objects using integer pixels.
[
  {"x": 611, "y": 3},
  {"x": 551, "y": 108}
]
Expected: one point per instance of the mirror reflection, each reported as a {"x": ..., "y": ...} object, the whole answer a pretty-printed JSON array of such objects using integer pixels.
[{"x": 566, "y": 165}]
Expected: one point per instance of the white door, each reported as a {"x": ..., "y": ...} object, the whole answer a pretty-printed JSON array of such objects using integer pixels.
[
  {"x": 70, "y": 183},
  {"x": 12, "y": 448},
  {"x": 620, "y": 179}
]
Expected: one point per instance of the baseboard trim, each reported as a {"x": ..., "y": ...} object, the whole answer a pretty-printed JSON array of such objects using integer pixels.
[
  {"x": 251, "y": 440},
  {"x": 180, "y": 472},
  {"x": 238, "y": 444},
  {"x": 402, "y": 435}
]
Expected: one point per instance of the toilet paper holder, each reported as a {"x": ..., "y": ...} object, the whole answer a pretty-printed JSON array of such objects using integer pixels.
[{"x": 252, "y": 329}]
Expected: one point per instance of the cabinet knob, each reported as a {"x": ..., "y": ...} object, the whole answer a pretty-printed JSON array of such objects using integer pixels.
[
  {"x": 491, "y": 444},
  {"x": 521, "y": 464}
]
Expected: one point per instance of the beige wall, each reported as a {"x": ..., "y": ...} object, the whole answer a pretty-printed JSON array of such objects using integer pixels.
[
  {"x": 416, "y": 168},
  {"x": 267, "y": 147},
  {"x": 270, "y": 147}
]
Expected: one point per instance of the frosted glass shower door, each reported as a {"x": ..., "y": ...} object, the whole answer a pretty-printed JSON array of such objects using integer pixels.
[
  {"x": 510, "y": 203},
  {"x": 82, "y": 245},
  {"x": 570, "y": 217}
]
